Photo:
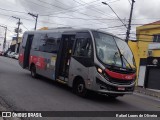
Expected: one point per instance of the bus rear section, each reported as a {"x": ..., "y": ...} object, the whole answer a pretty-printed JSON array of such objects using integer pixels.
[{"x": 86, "y": 60}]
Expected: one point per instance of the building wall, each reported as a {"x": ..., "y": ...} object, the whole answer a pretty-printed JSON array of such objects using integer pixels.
[
  {"x": 143, "y": 33},
  {"x": 134, "y": 48},
  {"x": 13, "y": 44},
  {"x": 14, "y": 41},
  {"x": 144, "y": 40}
]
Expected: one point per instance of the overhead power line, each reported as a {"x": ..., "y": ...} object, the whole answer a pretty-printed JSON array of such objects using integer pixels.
[
  {"x": 78, "y": 17},
  {"x": 54, "y": 22},
  {"x": 112, "y": 27},
  {"x": 79, "y": 6},
  {"x": 62, "y": 9},
  {"x": 25, "y": 27},
  {"x": 146, "y": 24},
  {"x": 139, "y": 34},
  {"x": 87, "y": 15},
  {"x": 65, "y": 17},
  {"x": 92, "y": 8},
  {"x": 12, "y": 11},
  {"x": 59, "y": 8},
  {"x": 70, "y": 9}
]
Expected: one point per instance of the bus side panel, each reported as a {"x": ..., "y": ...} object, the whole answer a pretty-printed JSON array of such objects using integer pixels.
[
  {"x": 44, "y": 62},
  {"x": 41, "y": 57},
  {"x": 77, "y": 69}
]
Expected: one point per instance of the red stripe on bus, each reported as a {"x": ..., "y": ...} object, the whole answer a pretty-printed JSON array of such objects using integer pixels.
[
  {"x": 21, "y": 58},
  {"x": 121, "y": 76},
  {"x": 38, "y": 61}
]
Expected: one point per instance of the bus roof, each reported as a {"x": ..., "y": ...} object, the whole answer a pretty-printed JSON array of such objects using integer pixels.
[{"x": 67, "y": 30}]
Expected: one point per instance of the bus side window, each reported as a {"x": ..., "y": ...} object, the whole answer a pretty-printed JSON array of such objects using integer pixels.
[
  {"x": 35, "y": 43},
  {"x": 49, "y": 43},
  {"x": 24, "y": 39},
  {"x": 83, "y": 46}
]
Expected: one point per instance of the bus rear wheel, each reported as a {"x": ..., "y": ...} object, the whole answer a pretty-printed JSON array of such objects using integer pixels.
[
  {"x": 79, "y": 88},
  {"x": 33, "y": 71}
]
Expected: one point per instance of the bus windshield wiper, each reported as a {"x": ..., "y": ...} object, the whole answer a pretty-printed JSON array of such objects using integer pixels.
[
  {"x": 124, "y": 58},
  {"x": 126, "y": 61}
]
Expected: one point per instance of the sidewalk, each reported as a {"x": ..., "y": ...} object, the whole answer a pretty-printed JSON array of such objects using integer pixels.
[{"x": 146, "y": 91}]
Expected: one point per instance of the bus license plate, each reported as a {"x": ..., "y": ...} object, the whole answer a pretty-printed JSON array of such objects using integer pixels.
[{"x": 121, "y": 88}]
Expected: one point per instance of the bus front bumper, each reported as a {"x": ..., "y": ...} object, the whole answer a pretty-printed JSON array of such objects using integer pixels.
[
  {"x": 113, "y": 92},
  {"x": 109, "y": 88}
]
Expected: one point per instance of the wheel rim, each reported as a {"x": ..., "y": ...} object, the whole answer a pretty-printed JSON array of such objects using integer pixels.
[{"x": 80, "y": 88}]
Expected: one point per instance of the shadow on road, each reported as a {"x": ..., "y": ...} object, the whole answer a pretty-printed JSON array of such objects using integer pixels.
[{"x": 92, "y": 95}]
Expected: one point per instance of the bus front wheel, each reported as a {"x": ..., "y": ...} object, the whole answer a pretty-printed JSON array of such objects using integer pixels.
[
  {"x": 79, "y": 88},
  {"x": 33, "y": 71}
]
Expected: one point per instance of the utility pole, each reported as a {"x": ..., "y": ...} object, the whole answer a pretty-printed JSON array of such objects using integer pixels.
[
  {"x": 36, "y": 16},
  {"x": 130, "y": 19},
  {"x": 5, "y": 35},
  {"x": 17, "y": 32}
]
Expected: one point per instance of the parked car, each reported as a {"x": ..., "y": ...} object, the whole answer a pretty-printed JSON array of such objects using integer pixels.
[
  {"x": 5, "y": 53},
  {"x": 16, "y": 55},
  {"x": 8, "y": 53},
  {"x": 1, "y": 53},
  {"x": 12, "y": 55}
]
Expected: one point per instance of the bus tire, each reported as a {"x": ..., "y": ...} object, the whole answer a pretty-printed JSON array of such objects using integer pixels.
[
  {"x": 33, "y": 71},
  {"x": 79, "y": 88}
]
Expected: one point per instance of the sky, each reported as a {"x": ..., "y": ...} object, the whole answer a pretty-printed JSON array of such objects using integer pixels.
[{"x": 77, "y": 14}]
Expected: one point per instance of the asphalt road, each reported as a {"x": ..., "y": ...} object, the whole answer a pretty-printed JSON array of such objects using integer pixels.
[{"x": 21, "y": 92}]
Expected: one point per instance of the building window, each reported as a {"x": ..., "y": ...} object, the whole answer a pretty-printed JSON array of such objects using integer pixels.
[{"x": 156, "y": 38}]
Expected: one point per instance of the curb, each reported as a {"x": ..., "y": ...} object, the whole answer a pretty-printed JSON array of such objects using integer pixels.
[{"x": 147, "y": 92}]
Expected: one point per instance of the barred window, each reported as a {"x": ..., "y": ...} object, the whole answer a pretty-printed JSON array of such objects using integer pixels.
[{"x": 156, "y": 38}]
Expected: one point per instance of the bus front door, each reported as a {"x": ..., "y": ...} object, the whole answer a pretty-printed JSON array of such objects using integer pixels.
[
  {"x": 27, "y": 51},
  {"x": 65, "y": 55}
]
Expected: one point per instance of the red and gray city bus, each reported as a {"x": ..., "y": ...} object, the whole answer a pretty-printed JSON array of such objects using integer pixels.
[{"x": 84, "y": 59}]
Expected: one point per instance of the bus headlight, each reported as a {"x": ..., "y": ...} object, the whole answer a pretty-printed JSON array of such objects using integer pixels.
[{"x": 102, "y": 73}]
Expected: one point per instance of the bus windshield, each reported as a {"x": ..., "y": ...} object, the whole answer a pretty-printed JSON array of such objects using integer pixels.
[{"x": 113, "y": 51}]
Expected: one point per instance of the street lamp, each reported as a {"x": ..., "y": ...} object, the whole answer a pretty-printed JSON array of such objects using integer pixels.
[
  {"x": 36, "y": 16},
  {"x": 114, "y": 12}
]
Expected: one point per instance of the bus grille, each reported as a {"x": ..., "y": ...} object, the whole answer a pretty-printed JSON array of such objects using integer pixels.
[
  {"x": 120, "y": 81},
  {"x": 112, "y": 88}
]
